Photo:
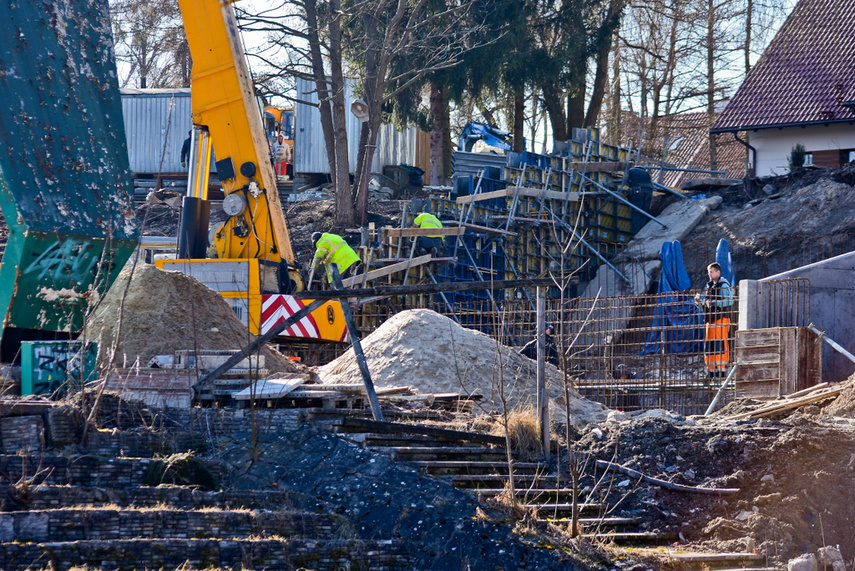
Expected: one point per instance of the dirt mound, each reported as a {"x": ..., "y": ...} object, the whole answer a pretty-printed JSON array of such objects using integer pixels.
[
  {"x": 819, "y": 208},
  {"x": 432, "y": 353},
  {"x": 844, "y": 404},
  {"x": 164, "y": 312}
]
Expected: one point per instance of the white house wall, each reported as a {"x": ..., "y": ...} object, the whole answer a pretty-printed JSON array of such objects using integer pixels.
[{"x": 774, "y": 145}]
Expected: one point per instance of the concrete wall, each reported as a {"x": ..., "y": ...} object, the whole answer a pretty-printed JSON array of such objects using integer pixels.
[
  {"x": 832, "y": 308},
  {"x": 774, "y": 145}
]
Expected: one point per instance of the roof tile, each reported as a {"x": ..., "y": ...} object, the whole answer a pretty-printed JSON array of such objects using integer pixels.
[{"x": 805, "y": 74}]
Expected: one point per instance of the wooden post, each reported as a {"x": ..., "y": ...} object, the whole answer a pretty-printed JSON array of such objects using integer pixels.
[
  {"x": 542, "y": 396},
  {"x": 357, "y": 347}
]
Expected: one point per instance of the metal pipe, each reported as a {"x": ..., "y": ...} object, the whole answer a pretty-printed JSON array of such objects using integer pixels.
[
  {"x": 720, "y": 391},
  {"x": 833, "y": 343},
  {"x": 750, "y": 148},
  {"x": 625, "y": 201},
  {"x": 655, "y": 167}
]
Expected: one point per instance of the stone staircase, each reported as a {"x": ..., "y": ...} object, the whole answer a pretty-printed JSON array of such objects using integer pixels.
[
  {"x": 478, "y": 463},
  {"x": 111, "y": 504}
]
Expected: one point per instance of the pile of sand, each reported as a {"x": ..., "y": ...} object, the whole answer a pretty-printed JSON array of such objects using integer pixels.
[
  {"x": 164, "y": 312},
  {"x": 432, "y": 353}
]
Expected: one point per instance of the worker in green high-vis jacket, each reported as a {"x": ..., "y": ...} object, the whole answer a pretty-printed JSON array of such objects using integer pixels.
[
  {"x": 332, "y": 249},
  {"x": 425, "y": 244}
]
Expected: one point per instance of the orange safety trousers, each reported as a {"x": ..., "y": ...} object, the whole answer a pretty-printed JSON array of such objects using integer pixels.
[{"x": 717, "y": 344}]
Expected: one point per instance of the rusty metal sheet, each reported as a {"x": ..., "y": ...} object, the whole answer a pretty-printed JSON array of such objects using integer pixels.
[{"x": 65, "y": 185}]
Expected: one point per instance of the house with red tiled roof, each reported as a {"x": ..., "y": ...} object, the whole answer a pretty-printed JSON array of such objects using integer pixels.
[{"x": 802, "y": 90}]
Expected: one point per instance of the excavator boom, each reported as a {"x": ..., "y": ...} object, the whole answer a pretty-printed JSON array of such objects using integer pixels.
[{"x": 223, "y": 100}]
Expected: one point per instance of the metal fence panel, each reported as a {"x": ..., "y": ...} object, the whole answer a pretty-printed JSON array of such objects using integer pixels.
[
  {"x": 310, "y": 155},
  {"x": 156, "y": 123}
]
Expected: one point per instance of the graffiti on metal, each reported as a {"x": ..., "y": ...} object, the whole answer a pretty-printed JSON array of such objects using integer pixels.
[
  {"x": 74, "y": 259},
  {"x": 56, "y": 366}
]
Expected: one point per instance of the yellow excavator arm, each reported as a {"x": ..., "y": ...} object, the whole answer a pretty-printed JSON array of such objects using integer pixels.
[{"x": 223, "y": 102}]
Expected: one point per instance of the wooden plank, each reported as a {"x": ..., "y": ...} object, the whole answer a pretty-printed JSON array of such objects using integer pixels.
[
  {"x": 758, "y": 355},
  {"x": 374, "y": 274},
  {"x": 425, "y": 288},
  {"x": 758, "y": 389},
  {"x": 605, "y": 166},
  {"x": 269, "y": 389},
  {"x": 758, "y": 337},
  {"x": 522, "y": 191},
  {"x": 411, "y": 232},
  {"x": 400, "y": 428}
]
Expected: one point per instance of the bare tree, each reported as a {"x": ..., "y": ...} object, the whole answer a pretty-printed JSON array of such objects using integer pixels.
[{"x": 151, "y": 48}]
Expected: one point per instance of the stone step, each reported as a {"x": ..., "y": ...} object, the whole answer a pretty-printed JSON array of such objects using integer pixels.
[
  {"x": 45, "y": 496},
  {"x": 272, "y": 553},
  {"x": 443, "y": 467},
  {"x": 703, "y": 560},
  {"x": 433, "y": 453},
  {"x": 633, "y": 538},
  {"x": 76, "y": 470},
  {"x": 90, "y": 524},
  {"x": 491, "y": 481}
]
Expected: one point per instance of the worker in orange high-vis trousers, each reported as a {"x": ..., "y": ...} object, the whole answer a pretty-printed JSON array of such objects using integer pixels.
[{"x": 716, "y": 302}]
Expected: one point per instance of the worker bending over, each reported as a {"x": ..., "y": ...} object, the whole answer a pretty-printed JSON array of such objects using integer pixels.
[
  {"x": 715, "y": 302},
  {"x": 425, "y": 244},
  {"x": 332, "y": 249}
]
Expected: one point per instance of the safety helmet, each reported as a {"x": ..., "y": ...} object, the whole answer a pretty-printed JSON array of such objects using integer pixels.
[{"x": 315, "y": 237}]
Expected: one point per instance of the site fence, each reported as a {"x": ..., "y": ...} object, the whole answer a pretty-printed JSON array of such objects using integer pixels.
[{"x": 630, "y": 352}]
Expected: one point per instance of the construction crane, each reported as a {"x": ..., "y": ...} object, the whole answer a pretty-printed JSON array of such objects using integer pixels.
[{"x": 254, "y": 266}]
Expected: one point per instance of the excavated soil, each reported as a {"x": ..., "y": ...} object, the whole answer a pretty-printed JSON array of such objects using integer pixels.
[
  {"x": 161, "y": 312},
  {"x": 793, "y": 473},
  {"x": 432, "y": 353},
  {"x": 808, "y": 204}
]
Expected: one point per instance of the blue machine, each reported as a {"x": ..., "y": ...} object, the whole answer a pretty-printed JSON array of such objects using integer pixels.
[{"x": 491, "y": 136}]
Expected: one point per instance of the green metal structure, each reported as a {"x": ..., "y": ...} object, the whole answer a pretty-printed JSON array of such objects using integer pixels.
[{"x": 65, "y": 183}]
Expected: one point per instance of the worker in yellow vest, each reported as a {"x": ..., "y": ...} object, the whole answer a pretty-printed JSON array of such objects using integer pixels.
[
  {"x": 332, "y": 249},
  {"x": 425, "y": 244}
]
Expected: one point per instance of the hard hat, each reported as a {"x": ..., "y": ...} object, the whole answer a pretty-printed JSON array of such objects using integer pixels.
[{"x": 315, "y": 237}]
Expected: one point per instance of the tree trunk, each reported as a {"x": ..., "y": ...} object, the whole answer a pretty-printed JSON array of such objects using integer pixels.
[
  {"x": 440, "y": 149},
  {"x": 576, "y": 96},
  {"x": 604, "y": 47},
  {"x": 344, "y": 215},
  {"x": 519, "y": 121},
  {"x": 340, "y": 167},
  {"x": 601, "y": 76},
  {"x": 711, "y": 79},
  {"x": 552, "y": 99}
]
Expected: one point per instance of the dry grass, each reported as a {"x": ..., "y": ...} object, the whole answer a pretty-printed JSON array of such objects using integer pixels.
[{"x": 523, "y": 433}]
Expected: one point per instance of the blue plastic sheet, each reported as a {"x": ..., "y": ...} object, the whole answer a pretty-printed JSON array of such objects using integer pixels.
[{"x": 677, "y": 321}]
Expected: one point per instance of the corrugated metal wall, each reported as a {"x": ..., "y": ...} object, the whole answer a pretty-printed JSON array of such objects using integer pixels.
[
  {"x": 310, "y": 156},
  {"x": 156, "y": 124},
  {"x": 463, "y": 164}
]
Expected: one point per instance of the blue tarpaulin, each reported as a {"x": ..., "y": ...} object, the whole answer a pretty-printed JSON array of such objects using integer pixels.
[{"x": 677, "y": 322}]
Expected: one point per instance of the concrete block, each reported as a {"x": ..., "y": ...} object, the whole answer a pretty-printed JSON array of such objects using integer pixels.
[
  {"x": 680, "y": 218},
  {"x": 828, "y": 555},
  {"x": 803, "y": 563},
  {"x": 22, "y": 433}
]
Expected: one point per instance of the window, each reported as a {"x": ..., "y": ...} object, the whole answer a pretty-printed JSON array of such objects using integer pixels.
[{"x": 808, "y": 159}]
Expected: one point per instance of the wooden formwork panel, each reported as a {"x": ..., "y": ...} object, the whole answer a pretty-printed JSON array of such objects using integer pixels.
[{"x": 776, "y": 361}]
